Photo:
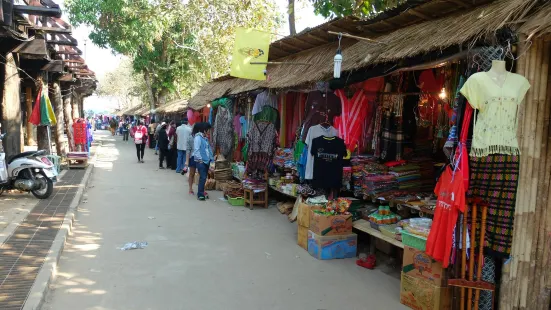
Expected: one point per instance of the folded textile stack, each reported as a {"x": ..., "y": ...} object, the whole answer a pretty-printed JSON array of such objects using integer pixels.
[
  {"x": 284, "y": 158},
  {"x": 361, "y": 165},
  {"x": 256, "y": 185},
  {"x": 408, "y": 176},
  {"x": 377, "y": 184},
  {"x": 77, "y": 155}
]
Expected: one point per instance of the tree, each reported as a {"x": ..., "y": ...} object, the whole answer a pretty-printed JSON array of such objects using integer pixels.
[
  {"x": 338, "y": 8},
  {"x": 124, "y": 84},
  {"x": 291, "y": 13},
  {"x": 176, "y": 45}
]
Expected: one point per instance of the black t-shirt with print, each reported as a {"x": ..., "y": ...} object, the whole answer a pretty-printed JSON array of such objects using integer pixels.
[{"x": 328, "y": 162}]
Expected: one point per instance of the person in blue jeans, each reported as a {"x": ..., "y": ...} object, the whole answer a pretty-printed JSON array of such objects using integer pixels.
[
  {"x": 182, "y": 134},
  {"x": 203, "y": 156}
]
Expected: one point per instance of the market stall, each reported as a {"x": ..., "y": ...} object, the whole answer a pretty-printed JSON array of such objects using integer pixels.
[{"x": 415, "y": 145}]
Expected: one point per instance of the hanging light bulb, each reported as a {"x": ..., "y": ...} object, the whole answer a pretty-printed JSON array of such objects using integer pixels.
[
  {"x": 338, "y": 61},
  {"x": 208, "y": 105},
  {"x": 443, "y": 94}
]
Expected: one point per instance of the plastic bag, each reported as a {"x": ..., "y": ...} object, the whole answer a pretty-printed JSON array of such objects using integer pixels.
[{"x": 134, "y": 245}]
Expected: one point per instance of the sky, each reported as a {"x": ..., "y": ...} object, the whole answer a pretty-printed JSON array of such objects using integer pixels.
[{"x": 102, "y": 60}]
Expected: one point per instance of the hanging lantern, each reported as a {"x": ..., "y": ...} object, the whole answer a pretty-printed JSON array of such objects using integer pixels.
[{"x": 338, "y": 61}]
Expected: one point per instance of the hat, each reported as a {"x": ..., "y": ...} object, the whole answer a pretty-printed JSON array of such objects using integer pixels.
[{"x": 163, "y": 123}]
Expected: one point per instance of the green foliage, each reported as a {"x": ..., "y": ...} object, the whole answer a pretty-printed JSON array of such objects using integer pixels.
[
  {"x": 362, "y": 8},
  {"x": 177, "y": 45}
]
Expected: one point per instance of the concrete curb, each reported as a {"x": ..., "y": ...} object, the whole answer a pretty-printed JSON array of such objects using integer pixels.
[
  {"x": 47, "y": 273},
  {"x": 10, "y": 229}
]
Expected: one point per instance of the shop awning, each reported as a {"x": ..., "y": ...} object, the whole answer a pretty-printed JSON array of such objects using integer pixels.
[
  {"x": 415, "y": 30},
  {"x": 177, "y": 106}
]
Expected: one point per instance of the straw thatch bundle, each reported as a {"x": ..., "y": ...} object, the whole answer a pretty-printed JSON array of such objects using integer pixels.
[
  {"x": 176, "y": 106},
  {"x": 412, "y": 40}
]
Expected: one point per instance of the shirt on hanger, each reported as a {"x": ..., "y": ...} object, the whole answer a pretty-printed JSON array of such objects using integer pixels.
[
  {"x": 495, "y": 126},
  {"x": 320, "y": 106},
  {"x": 244, "y": 126},
  {"x": 263, "y": 99},
  {"x": 328, "y": 156},
  {"x": 451, "y": 201},
  {"x": 314, "y": 132}
]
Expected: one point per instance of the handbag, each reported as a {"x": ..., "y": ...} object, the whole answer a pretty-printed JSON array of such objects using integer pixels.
[{"x": 461, "y": 158}]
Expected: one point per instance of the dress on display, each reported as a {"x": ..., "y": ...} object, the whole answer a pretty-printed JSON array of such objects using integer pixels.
[
  {"x": 495, "y": 156},
  {"x": 223, "y": 131},
  {"x": 261, "y": 145}
]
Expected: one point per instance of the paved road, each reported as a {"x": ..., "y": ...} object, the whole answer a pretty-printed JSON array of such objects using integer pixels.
[{"x": 201, "y": 255}]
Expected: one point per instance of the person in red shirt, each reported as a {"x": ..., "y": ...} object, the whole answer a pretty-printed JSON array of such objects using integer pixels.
[
  {"x": 139, "y": 134},
  {"x": 451, "y": 200}
]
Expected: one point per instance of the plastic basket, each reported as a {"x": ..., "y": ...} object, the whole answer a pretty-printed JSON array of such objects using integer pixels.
[
  {"x": 389, "y": 230},
  {"x": 414, "y": 241},
  {"x": 237, "y": 202}
]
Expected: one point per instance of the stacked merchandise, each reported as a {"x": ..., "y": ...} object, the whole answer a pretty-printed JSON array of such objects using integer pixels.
[
  {"x": 284, "y": 158},
  {"x": 408, "y": 177},
  {"x": 329, "y": 229},
  {"x": 378, "y": 184},
  {"x": 257, "y": 186},
  {"x": 383, "y": 216},
  {"x": 361, "y": 166},
  {"x": 238, "y": 170},
  {"x": 346, "y": 178}
]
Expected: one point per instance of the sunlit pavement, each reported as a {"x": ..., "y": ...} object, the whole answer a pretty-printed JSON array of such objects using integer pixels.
[{"x": 201, "y": 255}]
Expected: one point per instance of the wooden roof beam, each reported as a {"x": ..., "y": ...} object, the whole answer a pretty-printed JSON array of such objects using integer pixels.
[
  {"x": 460, "y": 3},
  {"x": 310, "y": 45},
  {"x": 419, "y": 14},
  {"x": 291, "y": 46},
  {"x": 316, "y": 38},
  {"x": 53, "y": 29},
  {"x": 62, "y": 42},
  {"x": 68, "y": 53}
]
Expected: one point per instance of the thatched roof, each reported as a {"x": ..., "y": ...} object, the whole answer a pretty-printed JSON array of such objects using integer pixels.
[
  {"x": 176, "y": 106},
  {"x": 417, "y": 30}
]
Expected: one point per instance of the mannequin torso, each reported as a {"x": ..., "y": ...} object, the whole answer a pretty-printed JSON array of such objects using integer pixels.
[{"x": 498, "y": 72}]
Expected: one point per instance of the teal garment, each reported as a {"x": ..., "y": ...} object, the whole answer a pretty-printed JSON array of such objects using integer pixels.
[{"x": 268, "y": 114}]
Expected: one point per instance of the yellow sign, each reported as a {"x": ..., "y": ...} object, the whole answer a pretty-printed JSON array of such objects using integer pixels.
[{"x": 250, "y": 46}]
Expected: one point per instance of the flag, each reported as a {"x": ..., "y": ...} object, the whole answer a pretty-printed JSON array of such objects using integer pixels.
[
  {"x": 250, "y": 46},
  {"x": 43, "y": 112}
]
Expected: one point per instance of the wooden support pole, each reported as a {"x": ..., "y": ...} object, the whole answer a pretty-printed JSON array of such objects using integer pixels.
[
  {"x": 11, "y": 107},
  {"x": 58, "y": 109},
  {"x": 68, "y": 117}
]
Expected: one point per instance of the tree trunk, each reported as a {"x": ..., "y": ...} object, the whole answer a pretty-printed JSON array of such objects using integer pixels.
[
  {"x": 68, "y": 120},
  {"x": 11, "y": 108},
  {"x": 147, "y": 79},
  {"x": 291, "y": 12},
  {"x": 75, "y": 106},
  {"x": 58, "y": 108},
  {"x": 28, "y": 110}
]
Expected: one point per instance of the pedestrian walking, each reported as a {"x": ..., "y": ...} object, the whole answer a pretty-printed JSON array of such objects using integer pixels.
[
  {"x": 162, "y": 144},
  {"x": 152, "y": 126},
  {"x": 182, "y": 135},
  {"x": 190, "y": 160},
  {"x": 203, "y": 156},
  {"x": 172, "y": 153},
  {"x": 139, "y": 133},
  {"x": 125, "y": 131},
  {"x": 157, "y": 130}
]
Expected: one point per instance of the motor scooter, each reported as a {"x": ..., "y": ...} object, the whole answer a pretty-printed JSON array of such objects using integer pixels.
[{"x": 28, "y": 171}]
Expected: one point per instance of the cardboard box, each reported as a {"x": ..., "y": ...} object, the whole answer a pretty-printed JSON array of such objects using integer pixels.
[
  {"x": 304, "y": 213},
  {"x": 330, "y": 225},
  {"x": 418, "y": 264},
  {"x": 420, "y": 294},
  {"x": 302, "y": 237},
  {"x": 332, "y": 247}
]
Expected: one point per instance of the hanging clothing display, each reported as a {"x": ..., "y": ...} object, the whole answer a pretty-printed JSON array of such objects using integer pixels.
[
  {"x": 392, "y": 136},
  {"x": 314, "y": 132},
  {"x": 261, "y": 144},
  {"x": 79, "y": 132},
  {"x": 495, "y": 128},
  {"x": 494, "y": 162},
  {"x": 320, "y": 107},
  {"x": 451, "y": 200},
  {"x": 222, "y": 136},
  {"x": 328, "y": 154},
  {"x": 353, "y": 112},
  {"x": 265, "y": 98}
]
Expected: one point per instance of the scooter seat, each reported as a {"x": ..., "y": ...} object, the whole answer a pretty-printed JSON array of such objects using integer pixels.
[{"x": 21, "y": 155}]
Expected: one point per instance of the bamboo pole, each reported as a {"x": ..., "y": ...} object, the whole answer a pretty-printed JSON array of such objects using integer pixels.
[
  {"x": 531, "y": 184},
  {"x": 471, "y": 258},
  {"x": 541, "y": 289},
  {"x": 29, "y": 109},
  {"x": 532, "y": 288},
  {"x": 509, "y": 285}
]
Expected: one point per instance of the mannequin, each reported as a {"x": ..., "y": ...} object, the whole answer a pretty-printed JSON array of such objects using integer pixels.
[{"x": 498, "y": 72}]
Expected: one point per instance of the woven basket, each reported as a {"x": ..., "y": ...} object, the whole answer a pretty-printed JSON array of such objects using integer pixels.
[{"x": 223, "y": 174}]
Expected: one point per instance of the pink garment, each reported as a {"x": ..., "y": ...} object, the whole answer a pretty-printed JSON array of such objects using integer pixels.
[
  {"x": 237, "y": 125},
  {"x": 353, "y": 113}
]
